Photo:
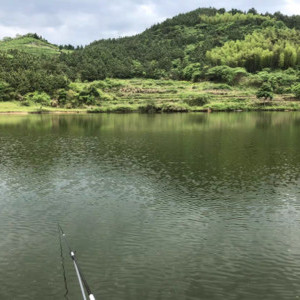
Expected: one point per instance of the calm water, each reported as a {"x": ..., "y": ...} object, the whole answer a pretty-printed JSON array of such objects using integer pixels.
[{"x": 179, "y": 206}]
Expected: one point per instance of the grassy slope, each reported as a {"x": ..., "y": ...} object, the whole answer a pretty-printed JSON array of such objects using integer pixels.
[
  {"x": 173, "y": 94},
  {"x": 29, "y": 45},
  {"x": 168, "y": 95},
  {"x": 16, "y": 107}
]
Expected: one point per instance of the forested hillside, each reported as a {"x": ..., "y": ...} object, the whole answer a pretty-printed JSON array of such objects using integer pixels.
[
  {"x": 231, "y": 47},
  {"x": 166, "y": 49}
]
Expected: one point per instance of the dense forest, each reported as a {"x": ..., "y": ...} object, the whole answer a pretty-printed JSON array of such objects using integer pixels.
[{"x": 205, "y": 44}]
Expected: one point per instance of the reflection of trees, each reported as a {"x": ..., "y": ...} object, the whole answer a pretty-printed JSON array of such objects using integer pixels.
[
  {"x": 16, "y": 124},
  {"x": 297, "y": 121},
  {"x": 195, "y": 148},
  {"x": 198, "y": 118},
  {"x": 264, "y": 120}
]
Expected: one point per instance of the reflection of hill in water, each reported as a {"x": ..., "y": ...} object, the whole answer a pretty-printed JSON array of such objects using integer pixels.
[
  {"x": 90, "y": 123},
  {"x": 198, "y": 148}
]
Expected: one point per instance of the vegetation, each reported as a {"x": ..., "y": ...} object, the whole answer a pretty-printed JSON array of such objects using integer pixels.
[
  {"x": 296, "y": 90},
  {"x": 268, "y": 48},
  {"x": 29, "y": 43},
  {"x": 265, "y": 91},
  {"x": 150, "y": 96},
  {"x": 207, "y": 59}
]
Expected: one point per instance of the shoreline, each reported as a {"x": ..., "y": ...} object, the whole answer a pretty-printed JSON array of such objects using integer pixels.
[
  {"x": 207, "y": 111},
  {"x": 40, "y": 112}
]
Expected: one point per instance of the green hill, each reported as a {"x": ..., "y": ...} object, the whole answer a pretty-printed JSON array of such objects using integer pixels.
[
  {"x": 235, "y": 48},
  {"x": 29, "y": 43},
  {"x": 172, "y": 48}
]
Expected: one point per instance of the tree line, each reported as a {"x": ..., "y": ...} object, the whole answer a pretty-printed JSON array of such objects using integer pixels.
[{"x": 189, "y": 46}]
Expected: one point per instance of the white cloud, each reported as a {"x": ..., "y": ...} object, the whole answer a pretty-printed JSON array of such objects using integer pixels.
[
  {"x": 291, "y": 7},
  {"x": 11, "y": 31},
  {"x": 83, "y": 21}
]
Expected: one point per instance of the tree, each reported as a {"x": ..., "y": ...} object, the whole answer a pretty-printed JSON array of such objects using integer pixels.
[
  {"x": 252, "y": 11},
  {"x": 265, "y": 91},
  {"x": 5, "y": 91}
]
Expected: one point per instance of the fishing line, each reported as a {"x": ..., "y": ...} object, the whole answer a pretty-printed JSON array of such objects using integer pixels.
[
  {"x": 63, "y": 268},
  {"x": 81, "y": 277}
]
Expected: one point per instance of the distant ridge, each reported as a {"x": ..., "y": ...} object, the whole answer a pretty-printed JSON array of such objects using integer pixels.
[{"x": 30, "y": 43}]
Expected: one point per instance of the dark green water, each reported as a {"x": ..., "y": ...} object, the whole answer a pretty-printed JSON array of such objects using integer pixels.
[{"x": 179, "y": 206}]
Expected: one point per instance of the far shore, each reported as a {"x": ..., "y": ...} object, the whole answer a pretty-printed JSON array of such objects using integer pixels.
[
  {"x": 117, "y": 110},
  {"x": 152, "y": 96}
]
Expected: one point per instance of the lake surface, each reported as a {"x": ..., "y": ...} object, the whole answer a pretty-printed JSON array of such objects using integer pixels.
[{"x": 173, "y": 206}]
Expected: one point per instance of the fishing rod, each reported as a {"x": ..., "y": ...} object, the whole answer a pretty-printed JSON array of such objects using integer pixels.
[{"x": 81, "y": 279}]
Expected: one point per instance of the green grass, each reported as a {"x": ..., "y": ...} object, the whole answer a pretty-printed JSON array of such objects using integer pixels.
[
  {"x": 148, "y": 95},
  {"x": 29, "y": 45},
  {"x": 16, "y": 107}
]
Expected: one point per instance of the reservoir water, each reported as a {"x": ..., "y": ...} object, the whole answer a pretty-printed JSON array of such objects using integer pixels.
[{"x": 172, "y": 206}]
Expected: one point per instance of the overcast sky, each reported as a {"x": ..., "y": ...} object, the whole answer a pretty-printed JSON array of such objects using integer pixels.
[{"x": 80, "y": 22}]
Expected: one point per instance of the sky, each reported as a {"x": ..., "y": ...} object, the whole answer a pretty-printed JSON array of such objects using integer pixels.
[{"x": 80, "y": 22}]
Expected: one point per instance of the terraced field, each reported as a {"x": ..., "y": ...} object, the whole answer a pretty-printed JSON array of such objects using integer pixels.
[{"x": 172, "y": 95}]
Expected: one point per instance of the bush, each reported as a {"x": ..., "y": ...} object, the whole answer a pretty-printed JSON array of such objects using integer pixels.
[
  {"x": 296, "y": 90},
  {"x": 104, "y": 96},
  {"x": 265, "y": 91},
  {"x": 149, "y": 107},
  {"x": 6, "y": 93},
  {"x": 41, "y": 98},
  {"x": 61, "y": 97},
  {"x": 280, "y": 81},
  {"x": 226, "y": 74},
  {"x": 112, "y": 84},
  {"x": 220, "y": 86},
  {"x": 100, "y": 84},
  {"x": 174, "y": 107},
  {"x": 71, "y": 100},
  {"x": 228, "y": 106},
  {"x": 121, "y": 108},
  {"x": 26, "y": 103},
  {"x": 89, "y": 96},
  {"x": 198, "y": 100},
  {"x": 192, "y": 72}
]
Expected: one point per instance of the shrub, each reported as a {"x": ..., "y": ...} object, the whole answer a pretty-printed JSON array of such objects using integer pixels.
[
  {"x": 296, "y": 90},
  {"x": 111, "y": 84},
  {"x": 280, "y": 81},
  {"x": 220, "y": 86},
  {"x": 100, "y": 84},
  {"x": 192, "y": 72},
  {"x": 198, "y": 100},
  {"x": 41, "y": 98},
  {"x": 89, "y": 96},
  {"x": 26, "y": 103},
  {"x": 265, "y": 91},
  {"x": 121, "y": 108},
  {"x": 104, "y": 96},
  {"x": 149, "y": 107},
  {"x": 174, "y": 107},
  {"x": 5, "y": 91},
  {"x": 96, "y": 110},
  {"x": 54, "y": 103},
  {"x": 71, "y": 99},
  {"x": 69, "y": 105},
  {"x": 61, "y": 97},
  {"x": 226, "y": 74},
  {"x": 223, "y": 86}
]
